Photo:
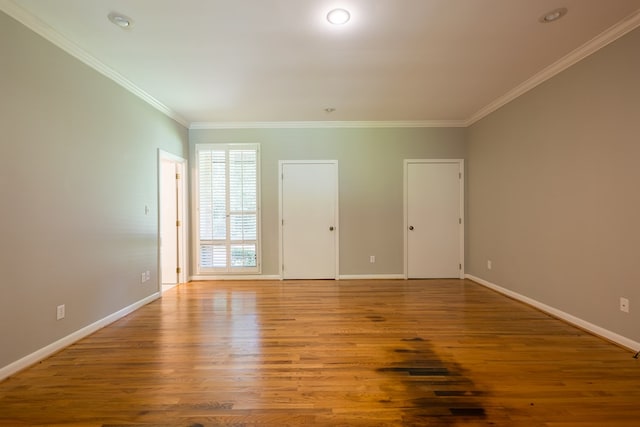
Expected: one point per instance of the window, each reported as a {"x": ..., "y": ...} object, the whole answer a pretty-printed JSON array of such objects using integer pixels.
[{"x": 227, "y": 205}]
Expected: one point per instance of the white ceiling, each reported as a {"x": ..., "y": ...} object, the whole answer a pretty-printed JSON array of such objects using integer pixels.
[{"x": 445, "y": 62}]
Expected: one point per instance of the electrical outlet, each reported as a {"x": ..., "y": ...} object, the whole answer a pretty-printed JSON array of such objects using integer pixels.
[
  {"x": 147, "y": 276},
  {"x": 624, "y": 304},
  {"x": 489, "y": 264},
  {"x": 372, "y": 259},
  {"x": 60, "y": 312},
  {"x": 143, "y": 277}
]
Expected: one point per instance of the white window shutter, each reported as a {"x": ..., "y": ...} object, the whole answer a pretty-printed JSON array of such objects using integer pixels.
[{"x": 228, "y": 197}]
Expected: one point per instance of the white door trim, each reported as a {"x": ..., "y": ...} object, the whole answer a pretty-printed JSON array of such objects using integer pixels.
[
  {"x": 405, "y": 181},
  {"x": 183, "y": 237},
  {"x": 281, "y": 164}
]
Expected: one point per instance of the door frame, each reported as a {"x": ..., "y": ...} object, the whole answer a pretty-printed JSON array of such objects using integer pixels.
[
  {"x": 182, "y": 205},
  {"x": 336, "y": 239},
  {"x": 405, "y": 215}
]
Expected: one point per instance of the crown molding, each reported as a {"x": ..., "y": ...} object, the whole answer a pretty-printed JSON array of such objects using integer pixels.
[
  {"x": 608, "y": 36},
  {"x": 623, "y": 27},
  {"x": 46, "y": 31},
  {"x": 328, "y": 124}
]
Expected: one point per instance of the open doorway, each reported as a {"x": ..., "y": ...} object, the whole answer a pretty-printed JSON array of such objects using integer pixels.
[{"x": 172, "y": 214}]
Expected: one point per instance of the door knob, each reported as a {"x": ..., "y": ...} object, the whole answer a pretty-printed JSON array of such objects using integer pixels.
[
  {"x": 331, "y": 228},
  {"x": 411, "y": 227}
]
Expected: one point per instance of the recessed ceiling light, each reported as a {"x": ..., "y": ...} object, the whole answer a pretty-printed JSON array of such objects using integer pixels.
[
  {"x": 121, "y": 20},
  {"x": 338, "y": 16},
  {"x": 553, "y": 16}
]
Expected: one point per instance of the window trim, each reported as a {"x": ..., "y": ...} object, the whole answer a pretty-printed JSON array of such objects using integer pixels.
[{"x": 228, "y": 270}]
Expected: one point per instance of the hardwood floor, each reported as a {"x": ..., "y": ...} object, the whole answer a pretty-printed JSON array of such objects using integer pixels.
[{"x": 347, "y": 353}]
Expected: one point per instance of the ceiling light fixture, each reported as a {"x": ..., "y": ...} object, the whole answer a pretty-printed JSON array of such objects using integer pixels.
[
  {"x": 553, "y": 16},
  {"x": 338, "y": 16},
  {"x": 121, "y": 20}
]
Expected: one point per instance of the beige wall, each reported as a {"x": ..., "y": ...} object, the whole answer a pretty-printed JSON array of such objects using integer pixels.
[
  {"x": 370, "y": 163},
  {"x": 78, "y": 164},
  {"x": 553, "y": 196}
]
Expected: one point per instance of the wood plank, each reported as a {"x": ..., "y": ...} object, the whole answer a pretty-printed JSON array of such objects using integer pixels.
[{"x": 360, "y": 353}]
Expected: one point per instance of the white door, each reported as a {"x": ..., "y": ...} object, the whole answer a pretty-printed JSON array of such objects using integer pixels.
[
  {"x": 434, "y": 218},
  {"x": 168, "y": 219},
  {"x": 309, "y": 219},
  {"x": 172, "y": 210}
]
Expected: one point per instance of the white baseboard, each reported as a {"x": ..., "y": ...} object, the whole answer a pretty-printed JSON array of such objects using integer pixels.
[
  {"x": 54, "y": 347},
  {"x": 576, "y": 321},
  {"x": 278, "y": 277},
  {"x": 372, "y": 277},
  {"x": 237, "y": 277}
]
